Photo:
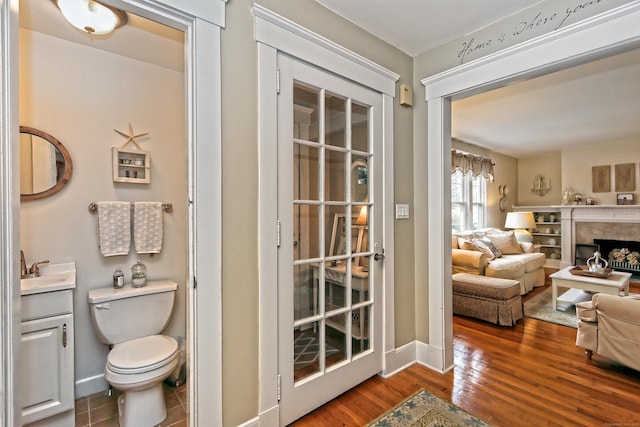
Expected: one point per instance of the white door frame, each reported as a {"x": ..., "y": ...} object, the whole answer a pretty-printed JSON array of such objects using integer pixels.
[
  {"x": 274, "y": 34},
  {"x": 10, "y": 409},
  {"x": 201, "y": 22},
  {"x": 611, "y": 32}
]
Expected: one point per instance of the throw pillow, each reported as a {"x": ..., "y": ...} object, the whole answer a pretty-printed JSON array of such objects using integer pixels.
[
  {"x": 482, "y": 247},
  {"x": 467, "y": 245},
  {"x": 462, "y": 240},
  {"x": 506, "y": 242},
  {"x": 497, "y": 253}
]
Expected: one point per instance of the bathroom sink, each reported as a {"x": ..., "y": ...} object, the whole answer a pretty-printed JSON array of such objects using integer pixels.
[{"x": 53, "y": 277}]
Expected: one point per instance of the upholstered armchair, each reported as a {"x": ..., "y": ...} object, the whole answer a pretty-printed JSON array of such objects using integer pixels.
[{"x": 609, "y": 325}]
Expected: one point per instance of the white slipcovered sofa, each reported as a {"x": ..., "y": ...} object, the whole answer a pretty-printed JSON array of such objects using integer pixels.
[
  {"x": 609, "y": 325},
  {"x": 492, "y": 252}
]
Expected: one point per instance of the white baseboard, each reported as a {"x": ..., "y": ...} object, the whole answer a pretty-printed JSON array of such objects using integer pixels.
[
  {"x": 254, "y": 422},
  {"x": 431, "y": 357},
  {"x": 398, "y": 359},
  {"x": 268, "y": 418},
  {"x": 87, "y": 386}
]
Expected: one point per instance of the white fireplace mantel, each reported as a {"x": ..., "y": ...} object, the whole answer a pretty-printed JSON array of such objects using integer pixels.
[{"x": 572, "y": 214}]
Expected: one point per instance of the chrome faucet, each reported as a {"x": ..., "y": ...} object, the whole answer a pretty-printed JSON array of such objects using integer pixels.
[{"x": 33, "y": 271}]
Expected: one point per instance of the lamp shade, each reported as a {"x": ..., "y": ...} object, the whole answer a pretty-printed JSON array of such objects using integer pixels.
[
  {"x": 520, "y": 221},
  {"x": 362, "y": 216}
]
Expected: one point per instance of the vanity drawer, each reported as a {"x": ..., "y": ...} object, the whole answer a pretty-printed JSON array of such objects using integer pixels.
[{"x": 37, "y": 306}]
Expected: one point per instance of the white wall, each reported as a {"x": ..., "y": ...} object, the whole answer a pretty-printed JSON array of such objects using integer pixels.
[
  {"x": 577, "y": 166},
  {"x": 571, "y": 169},
  {"x": 546, "y": 165},
  {"x": 79, "y": 95}
]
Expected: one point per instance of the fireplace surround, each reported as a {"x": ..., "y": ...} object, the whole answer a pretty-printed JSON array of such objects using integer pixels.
[{"x": 582, "y": 224}]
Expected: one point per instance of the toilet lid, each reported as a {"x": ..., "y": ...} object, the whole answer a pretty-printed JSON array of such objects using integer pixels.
[{"x": 142, "y": 354}]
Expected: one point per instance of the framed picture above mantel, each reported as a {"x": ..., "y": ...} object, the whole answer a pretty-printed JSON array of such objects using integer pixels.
[
  {"x": 625, "y": 177},
  {"x": 601, "y": 179}
]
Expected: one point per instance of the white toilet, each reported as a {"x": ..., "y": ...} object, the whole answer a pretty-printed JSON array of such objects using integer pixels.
[{"x": 131, "y": 320}]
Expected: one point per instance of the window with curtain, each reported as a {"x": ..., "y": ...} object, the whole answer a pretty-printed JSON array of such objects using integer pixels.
[{"x": 469, "y": 178}]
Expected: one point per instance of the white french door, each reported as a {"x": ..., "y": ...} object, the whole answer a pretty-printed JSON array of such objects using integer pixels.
[{"x": 330, "y": 256}]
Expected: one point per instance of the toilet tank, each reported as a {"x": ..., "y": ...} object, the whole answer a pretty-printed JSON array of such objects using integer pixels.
[{"x": 128, "y": 313}]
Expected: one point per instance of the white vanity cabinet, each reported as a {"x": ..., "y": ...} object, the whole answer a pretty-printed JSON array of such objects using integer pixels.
[
  {"x": 46, "y": 377},
  {"x": 46, "y": 355}
]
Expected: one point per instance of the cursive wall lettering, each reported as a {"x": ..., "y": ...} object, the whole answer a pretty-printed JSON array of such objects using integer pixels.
[
  {"x": 530, "y": 24},
  {"x": 577, "y": 9},
  {"x": 536, "y": 22}
]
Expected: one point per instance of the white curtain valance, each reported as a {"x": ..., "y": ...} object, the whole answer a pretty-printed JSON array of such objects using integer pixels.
[{"x": 470, "y": 163}]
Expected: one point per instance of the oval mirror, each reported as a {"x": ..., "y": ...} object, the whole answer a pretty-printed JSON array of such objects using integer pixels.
[
  {"x": 45, "y": 164},
  {"x": 359, "y": 181}
]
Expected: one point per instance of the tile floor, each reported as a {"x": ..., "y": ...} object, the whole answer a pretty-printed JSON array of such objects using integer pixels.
[{"x": 99, "y": 410}]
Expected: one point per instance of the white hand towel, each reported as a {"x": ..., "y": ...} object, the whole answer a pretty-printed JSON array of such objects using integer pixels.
[
  {"x": 147, "y": 227},
  {"x": 114, "y": 228}
]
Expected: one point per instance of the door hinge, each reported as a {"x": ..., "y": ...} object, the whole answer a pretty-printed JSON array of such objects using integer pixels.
[
  {"x": 277, "y": 80},
  {"x": 278, "y": 233},
  {"x": 278, "y": 388}
]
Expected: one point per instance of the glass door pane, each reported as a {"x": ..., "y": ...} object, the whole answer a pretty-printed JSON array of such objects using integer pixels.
[{"x": 331, "y": 182}]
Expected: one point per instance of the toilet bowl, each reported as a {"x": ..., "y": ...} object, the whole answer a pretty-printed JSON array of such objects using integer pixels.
[
  {"x": 138, "y": 368},
  {"x": 131, "y": 319}
]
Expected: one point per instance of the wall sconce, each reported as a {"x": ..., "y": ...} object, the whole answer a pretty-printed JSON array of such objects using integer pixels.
[
  {"x": 520, "y": 221},
  {"x": 540, "y": 186},
  {"x": 91, "y": 16}
]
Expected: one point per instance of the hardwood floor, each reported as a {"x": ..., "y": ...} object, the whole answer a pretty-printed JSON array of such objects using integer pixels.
[{"x": 531, "y": 374}]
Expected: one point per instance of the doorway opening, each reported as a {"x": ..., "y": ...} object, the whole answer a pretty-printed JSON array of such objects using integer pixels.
[{"x": 543, "y": 55}]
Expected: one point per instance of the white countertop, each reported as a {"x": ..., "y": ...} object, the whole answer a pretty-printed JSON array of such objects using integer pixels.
[{"x": 53, "y": 277}]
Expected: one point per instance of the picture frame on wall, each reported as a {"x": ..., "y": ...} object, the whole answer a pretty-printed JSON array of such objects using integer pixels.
[
  {"x": 625, "y": 199},
  {"x": 601, "y": 179},
  {"x": 625, "y": 177}
]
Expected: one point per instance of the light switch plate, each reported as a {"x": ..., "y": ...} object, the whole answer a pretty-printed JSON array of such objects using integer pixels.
[{"x": 402, "y": 211}]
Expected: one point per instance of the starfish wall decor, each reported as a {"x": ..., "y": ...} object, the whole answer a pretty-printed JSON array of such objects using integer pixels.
[{"x": 131, "y": 137}]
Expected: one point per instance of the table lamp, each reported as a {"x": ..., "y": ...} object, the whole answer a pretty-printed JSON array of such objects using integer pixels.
[
  {"x": 362, "y": 216},
  {"x": 520, "y": 221}
]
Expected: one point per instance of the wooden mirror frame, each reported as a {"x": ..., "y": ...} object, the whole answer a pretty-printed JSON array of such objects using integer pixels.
[
  {"x": 354, "y": 181},
  {"x": 68, "y": 164}
]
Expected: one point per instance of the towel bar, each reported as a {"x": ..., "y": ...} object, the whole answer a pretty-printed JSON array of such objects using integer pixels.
[{"x": 168, "y": 207}]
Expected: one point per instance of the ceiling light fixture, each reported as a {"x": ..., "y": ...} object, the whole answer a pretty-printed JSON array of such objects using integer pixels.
[{"x": 91, "y": 16}]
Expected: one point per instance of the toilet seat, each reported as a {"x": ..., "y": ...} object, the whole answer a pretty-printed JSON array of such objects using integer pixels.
[{"x": 142, "y": 355}]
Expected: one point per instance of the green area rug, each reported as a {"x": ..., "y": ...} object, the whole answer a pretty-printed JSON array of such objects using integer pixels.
[
  {"x": 539, "y": 307},
  {"x": 424, "y": 409}
]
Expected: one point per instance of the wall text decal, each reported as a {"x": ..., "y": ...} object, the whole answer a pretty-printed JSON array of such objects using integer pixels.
[{"x": 535, "y": 21}]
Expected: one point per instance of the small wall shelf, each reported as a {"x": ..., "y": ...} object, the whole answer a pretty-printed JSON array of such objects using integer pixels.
[{"x": 131, "y": 166}]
